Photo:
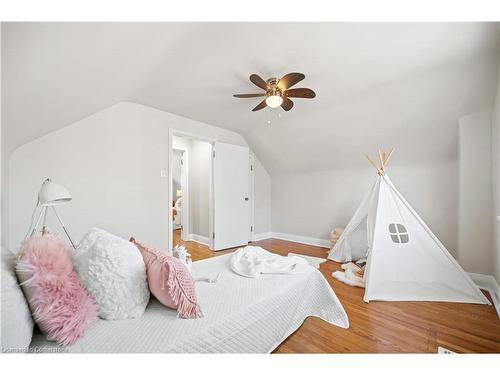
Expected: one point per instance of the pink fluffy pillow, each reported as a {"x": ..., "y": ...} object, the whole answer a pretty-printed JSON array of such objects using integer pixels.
[
  {"x": 59, "y": 303},
  {"x": 170, "y": 281}
]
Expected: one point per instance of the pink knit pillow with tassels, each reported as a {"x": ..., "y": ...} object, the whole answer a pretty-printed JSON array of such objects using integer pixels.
[{"x": 170, "y": 281}]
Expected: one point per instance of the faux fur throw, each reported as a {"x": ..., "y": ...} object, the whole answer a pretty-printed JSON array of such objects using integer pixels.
[{"x": 350, "y": 276}]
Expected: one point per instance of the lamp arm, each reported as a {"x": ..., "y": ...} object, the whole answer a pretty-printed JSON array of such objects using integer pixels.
[
  {"x": 42, "y": 212},
  {"x": 64, "y": 228},
  {"x": 44, "y": 222},
  {"x": 32, "y": 219}
]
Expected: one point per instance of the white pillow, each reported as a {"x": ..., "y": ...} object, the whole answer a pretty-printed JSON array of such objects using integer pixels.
[
  {"x": 17, "y": 323},
  {"x": 113, "y": 271}
]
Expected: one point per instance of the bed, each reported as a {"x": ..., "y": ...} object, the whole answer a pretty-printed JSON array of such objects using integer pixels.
[{"x": 241, "y": 315}]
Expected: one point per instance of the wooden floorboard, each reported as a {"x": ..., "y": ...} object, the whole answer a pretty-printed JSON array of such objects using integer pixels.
[{"x": 381, "y": 327}]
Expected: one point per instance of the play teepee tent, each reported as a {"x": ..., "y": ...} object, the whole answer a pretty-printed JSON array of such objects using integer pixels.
[{"x": 405, "y": 260}]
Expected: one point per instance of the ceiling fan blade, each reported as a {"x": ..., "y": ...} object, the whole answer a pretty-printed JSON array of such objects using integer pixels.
[
  {"x": 259, "y": 106},
  {"x": 300, "y": 93},
  {"x": 287, "y": 104},
  {"x": 259, "y": 82},
  {"x": 249, "y": 95},
  {"x": 289, "y": 80}
]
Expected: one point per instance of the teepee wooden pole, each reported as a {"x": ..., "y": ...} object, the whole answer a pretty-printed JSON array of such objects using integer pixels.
[
  {"x": 382, "y": 167},
  {"x": 389, "y": 156},
  {"x": 374, "y": 165}
]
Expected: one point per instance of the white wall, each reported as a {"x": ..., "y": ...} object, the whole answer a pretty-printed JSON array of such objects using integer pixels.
[
  {"x": 312, "y": 204},
  {"x": 111, "y": 163},
  {"x": 4, "y": 217},
  {"x": 495, "y": 139},
  {"x": 4, "y": 200},
  {"x": 262, "y": 199},
  {"x": 475, "y": 229}
]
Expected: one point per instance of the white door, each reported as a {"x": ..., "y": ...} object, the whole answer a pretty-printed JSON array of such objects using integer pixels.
[{"x": 231, "y": 201}]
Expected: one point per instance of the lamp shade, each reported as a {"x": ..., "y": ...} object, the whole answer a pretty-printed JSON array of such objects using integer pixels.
[
  {"x": 51, "y": 194},
  {"x": 274, "y": 101}
]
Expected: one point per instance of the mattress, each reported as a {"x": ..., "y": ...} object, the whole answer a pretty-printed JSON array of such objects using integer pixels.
[{"x": 241, "y": 315}]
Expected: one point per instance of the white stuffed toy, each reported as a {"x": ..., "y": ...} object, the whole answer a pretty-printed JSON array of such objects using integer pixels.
[
  {"x": 181, "y": 253},
  {"x": 335, "y": 235}
]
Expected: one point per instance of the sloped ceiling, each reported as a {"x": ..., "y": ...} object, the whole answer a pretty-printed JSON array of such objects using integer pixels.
[{"x": 377, "y": 84}]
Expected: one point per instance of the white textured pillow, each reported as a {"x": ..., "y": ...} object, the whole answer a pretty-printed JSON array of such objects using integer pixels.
[
  {"x": 17, "y": 323},
  {"x": 113, "y": 271}
]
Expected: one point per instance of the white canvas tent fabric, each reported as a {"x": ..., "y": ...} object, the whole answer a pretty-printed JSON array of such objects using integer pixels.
[{"x": 405, "y": 260}]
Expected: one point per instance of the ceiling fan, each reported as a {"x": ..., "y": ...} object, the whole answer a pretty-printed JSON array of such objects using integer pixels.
[{"x": 278, "y": 91}]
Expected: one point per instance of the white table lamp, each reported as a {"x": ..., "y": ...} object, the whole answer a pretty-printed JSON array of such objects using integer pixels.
[{"x": 50, "y": 195}]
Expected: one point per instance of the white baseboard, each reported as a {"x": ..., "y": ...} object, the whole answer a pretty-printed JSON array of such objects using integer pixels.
[
  {"x": 488, "y": 282},
  {"x": 293, "y": 238},
  {"x": 200, "y": 239},
  {"x": 302, "y": 239},
  {"x": 262, "y": 236}
]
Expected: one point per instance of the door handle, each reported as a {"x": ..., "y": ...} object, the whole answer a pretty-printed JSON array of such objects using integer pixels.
[{"x": 246, "y": 198}]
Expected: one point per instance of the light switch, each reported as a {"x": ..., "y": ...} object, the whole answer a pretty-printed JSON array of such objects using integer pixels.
[{"x": 163, "y": 173}]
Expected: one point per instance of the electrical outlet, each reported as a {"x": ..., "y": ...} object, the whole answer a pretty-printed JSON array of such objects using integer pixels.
[{"x": 442, "y": 350}]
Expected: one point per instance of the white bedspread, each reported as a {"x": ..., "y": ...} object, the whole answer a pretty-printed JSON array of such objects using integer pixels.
[{"x": 241, "y": 315}]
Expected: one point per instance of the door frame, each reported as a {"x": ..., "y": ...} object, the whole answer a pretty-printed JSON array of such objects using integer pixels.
[
  {"x": 185, "y": 192},
  {"x": 180, "y": 133}
]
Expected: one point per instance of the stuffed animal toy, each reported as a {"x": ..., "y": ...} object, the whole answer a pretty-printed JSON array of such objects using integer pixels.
[
  {"x": 335, "y": 235},
  {"x": 181, "y": 253}
]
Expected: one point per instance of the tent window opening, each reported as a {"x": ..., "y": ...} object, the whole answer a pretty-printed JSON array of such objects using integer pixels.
[{"x": 398, "y": 233}]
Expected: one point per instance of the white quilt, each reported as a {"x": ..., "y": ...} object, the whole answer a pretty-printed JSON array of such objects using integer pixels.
[{"x": 241, "y": 315}]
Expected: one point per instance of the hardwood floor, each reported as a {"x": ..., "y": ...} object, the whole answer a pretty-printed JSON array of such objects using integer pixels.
[{"x": 381, "y": 327}]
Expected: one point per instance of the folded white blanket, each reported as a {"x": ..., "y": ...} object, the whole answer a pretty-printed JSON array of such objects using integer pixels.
[
  {"x": 313, "y": 261},
  {"x": 253, "y": 261}
]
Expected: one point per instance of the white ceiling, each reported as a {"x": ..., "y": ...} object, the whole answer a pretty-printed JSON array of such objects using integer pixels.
[{"x": 376, "y": 84}]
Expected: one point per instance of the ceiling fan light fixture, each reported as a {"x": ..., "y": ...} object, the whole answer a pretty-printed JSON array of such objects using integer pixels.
[
  {"x": 277, "y": 91},
  {"x": 274, "y": 101}
]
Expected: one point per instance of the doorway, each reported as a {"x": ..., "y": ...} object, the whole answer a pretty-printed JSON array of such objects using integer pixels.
[
  {"x": 211, "y": 192},
  {"x": 179, "y": 189},
  {"x": 191, "y": 166}
]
